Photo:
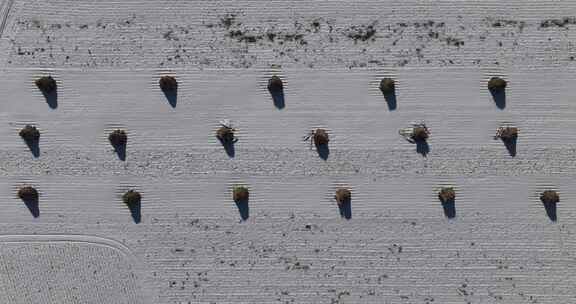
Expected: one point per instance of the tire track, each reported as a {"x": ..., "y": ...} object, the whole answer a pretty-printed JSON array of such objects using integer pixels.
[{"x": 4, "y": 12}]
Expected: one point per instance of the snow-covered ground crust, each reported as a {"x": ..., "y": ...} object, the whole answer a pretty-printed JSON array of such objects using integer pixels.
[
  {"x": 66, "y": 269},
  {"x": 190, "y": 246}
]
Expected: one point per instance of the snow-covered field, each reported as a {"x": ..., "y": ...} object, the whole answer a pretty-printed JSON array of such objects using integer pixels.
[{"x": 191, "y": 246}]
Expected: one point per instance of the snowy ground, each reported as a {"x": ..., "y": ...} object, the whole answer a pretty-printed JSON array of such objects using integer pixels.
[{"x": 190, "y": 245}]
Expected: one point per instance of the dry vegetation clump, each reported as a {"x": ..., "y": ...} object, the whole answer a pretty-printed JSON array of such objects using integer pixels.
[
  {"x": 387, "y": 86},
  {"x": 46, "y": 84},
  {"x": 420, "y": 133},
  {"x": 507, "y": 134},
  {"x": 118, "y": 138},
  {"x": 30, "y": 133},
  {"x": 168, "y": 83},
  {"x": 275, "y": 84},
  {"x": 225, "y": 134},
  {"x": 496, "y": 84},
  {"x": 549, "y": 197},
  {"x": 240, "y": 194},
  {"x": 28, "y": 193},
  {"x": 416, "y": 134},
  {"x": 131, "y": 198},
  {"x": 343, "y": 196},
  {"x": 447, "y": 195},
  {"x": 319, "y": 137}
]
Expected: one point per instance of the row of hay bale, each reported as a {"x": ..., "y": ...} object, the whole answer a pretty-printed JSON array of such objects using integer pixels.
[
  {"x": 241, "y": 196},
  {"x": 416, "y": 134}
]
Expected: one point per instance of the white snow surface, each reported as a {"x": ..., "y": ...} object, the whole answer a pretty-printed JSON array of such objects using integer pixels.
[{"x": 191, "y": 245}]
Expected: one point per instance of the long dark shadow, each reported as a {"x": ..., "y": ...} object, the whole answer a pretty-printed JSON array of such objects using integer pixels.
[
  {"x": 33, "y": 206},
  {"x": 33, "y": 146},
  {"x": 276, "y": 89},
  {"x": 345, "y": 209},
  {"x": 422, "y": 147},
  {"x": 228, "y": 148},
  {"x": 510, "y": 145},
  {"x": 243, "y": 209},
  {"x": 323, "y": 151},
  {"x": 499, "y": 97},
  {"x": 136, "y": 211},
  {"x": 449, "y": 208},
  {"x": 551, "y": 211},
  {"x": 120, "y": 150},
  {"x": 171, "y": 96},
  {"x": 51, "y": 98},
  {"x": 391, "y": 100},
  {"x": 278, "y": 99}
]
